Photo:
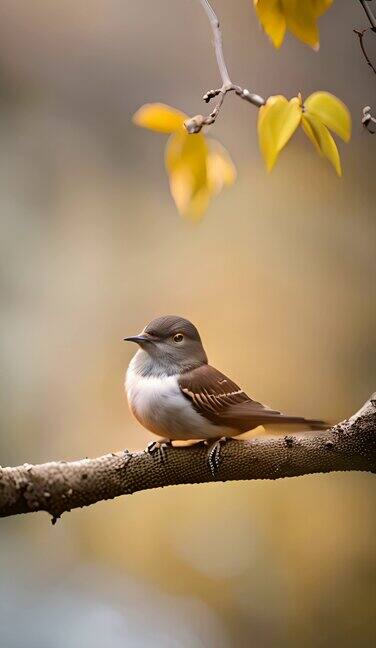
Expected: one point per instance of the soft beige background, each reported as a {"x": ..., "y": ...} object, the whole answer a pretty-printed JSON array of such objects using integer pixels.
[{"x": 279, "y": 277}]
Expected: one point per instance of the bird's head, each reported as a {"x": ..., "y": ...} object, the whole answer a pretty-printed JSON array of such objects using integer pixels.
[{"x": 169, "y": 344}]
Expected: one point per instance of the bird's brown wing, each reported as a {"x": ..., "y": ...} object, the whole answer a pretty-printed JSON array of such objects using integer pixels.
[{"x": 224, "y": 403}]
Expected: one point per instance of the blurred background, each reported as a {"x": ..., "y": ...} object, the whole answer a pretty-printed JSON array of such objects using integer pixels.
[{"x": 279, "y": 277}]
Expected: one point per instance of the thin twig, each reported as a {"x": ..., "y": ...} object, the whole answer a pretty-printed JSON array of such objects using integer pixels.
[
  {"x": 369, "y": 13},
  {"x": 214, "y": 22},
  {"x": 195, "y": 124},
  {"x": 360, "y": 33},
  {"x": 368, "y": 121}
]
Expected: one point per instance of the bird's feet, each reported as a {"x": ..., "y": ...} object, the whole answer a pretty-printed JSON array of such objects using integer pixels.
[
  {"x": 159, "y": 449},
  {"x": 214, "y": 455}
]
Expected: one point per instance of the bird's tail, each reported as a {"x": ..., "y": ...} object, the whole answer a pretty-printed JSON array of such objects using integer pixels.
[{"x": 312, "y": 424}]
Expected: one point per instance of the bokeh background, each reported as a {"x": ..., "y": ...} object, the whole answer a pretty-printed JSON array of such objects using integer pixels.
[{"x": 279, "y": 277}]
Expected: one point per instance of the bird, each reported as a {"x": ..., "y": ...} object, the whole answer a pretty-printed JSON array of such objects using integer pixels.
[{"x": 176, "y": 394}]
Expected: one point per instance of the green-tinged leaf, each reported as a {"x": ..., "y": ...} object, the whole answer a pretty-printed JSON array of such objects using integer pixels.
[{"x": 331, "y": 111}]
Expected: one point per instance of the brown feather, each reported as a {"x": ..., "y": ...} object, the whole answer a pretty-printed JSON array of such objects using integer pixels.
[{"x": 224, "y": 403}]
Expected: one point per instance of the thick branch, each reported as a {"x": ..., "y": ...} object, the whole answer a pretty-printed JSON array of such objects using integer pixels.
[{"x": 58, "y": 487}]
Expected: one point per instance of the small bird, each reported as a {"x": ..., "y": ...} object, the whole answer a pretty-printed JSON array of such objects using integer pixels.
[{"x": 173, "y": 391}]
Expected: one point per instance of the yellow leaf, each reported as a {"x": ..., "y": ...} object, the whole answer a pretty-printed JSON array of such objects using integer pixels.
[
  {"x": 271, "y": 16},
  {"x": 301, "y": 21},
  {"x": 298, "y": 16},
  {"x": 197, "y": 169},
  {"x": 220, "y": 168},
  {"x": 322, "y": 139},
  {"x": 331, "y": 111},
  {"x": 186, "y": 164},
  {"x": 278, "y": 119},
  {"x": 306, "y": 126},
  {"x": 321, "y": 6},
  {"x": 159, "y": 117},
  {"x": 192, "y": 204}
]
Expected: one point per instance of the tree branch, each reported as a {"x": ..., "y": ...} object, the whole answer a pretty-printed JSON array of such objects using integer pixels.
[
  {"x": 360, "y": 33},
  {"x": 214, "y": 22},
  {"x": 368, "y": 121},
  {"x": 369, "y": 13},
  {"x": 61, "y": 486},
  {"x": 195, "y": 124}
]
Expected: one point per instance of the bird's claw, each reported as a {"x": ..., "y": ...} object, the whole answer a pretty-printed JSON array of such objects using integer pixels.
[
  {"x": 214, "y": 455},
  {"x": 159, "y": 448}
]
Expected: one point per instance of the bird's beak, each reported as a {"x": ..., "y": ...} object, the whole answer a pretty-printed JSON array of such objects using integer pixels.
[{"x": 139, "y": 339}]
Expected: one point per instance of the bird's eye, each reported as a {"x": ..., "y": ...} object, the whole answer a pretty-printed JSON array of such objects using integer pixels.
[{"x": 178, "y": 337}]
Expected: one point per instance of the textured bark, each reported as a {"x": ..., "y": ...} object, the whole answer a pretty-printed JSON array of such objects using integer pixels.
[{"x": 58, "y": 487}]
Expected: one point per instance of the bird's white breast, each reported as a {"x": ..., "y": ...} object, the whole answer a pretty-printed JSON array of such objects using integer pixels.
[{"x": 159, "y": 405}]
